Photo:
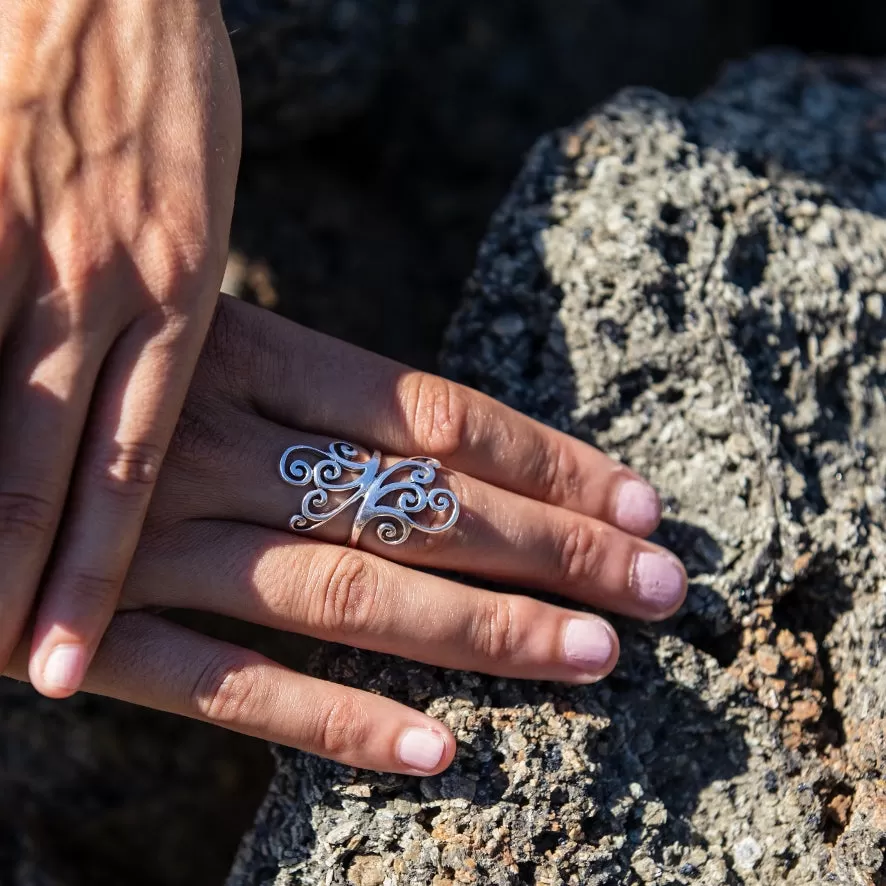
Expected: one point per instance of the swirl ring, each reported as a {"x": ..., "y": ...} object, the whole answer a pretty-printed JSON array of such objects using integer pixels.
[{"x": 345, "y": 475}]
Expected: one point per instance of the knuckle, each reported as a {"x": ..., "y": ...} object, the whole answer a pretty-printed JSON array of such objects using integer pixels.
[
  {"x": 193, "y": 259},
  {"x": 495, "y": 631},
  {"x": 25, "y": 516},
  {"x": 83, "y": 270},
  {"x": 350, "y": 594},
  {"x": 177, "y": 258},
  {"x": 131, "y": 468},
  {"x": 211, "y": 432},
  {"x": 241, "y": 351},
  {"x": 439, "y": 413},
  {"x": 199, "y": 439},
  {"x": 340, "y": 727},
  {"x": 560, "y": 473},
  {"x": 228, "y": 689},
  {"x": 79, "y": 274},
  {"x": 209, "y": 437},
  {"x": 577, "y": 553}
]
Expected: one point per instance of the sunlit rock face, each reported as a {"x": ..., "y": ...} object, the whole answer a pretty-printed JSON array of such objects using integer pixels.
[{"x": 697, "y": 288}]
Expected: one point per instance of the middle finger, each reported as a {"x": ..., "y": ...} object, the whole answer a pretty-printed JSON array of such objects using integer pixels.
[{"x": 353, "y": 597}]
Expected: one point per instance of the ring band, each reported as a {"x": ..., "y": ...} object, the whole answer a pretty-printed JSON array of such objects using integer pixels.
[{"x": 345, "y": 474}]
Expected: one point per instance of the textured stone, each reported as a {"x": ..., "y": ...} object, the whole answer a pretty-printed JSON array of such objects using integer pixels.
[
  {"x": 368, "y": 228},
  {"x": 697, "y": 288}
]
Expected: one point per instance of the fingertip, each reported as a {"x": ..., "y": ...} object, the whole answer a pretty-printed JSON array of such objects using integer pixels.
[
  {"x": 659, "y": 582},
  {"x": 60, "y": 672},
  {"x": 425, "y": 750},
  {"x": 591, "y": 646},
  {"x": 637, "y": 507}
]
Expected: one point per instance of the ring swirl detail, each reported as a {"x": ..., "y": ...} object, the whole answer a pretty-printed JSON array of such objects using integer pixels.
[{"x": 401, "y": 498}]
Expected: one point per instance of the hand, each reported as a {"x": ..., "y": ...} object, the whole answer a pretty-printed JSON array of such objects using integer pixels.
[
  {"x": 119, "y": 146},
  {"x": 539, "y": 509}
]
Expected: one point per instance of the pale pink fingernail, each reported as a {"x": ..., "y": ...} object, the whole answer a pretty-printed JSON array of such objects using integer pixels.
[
  {"x": 637, "y": 508},
  {"x": 65, "y": 667},
  {"x": 587, "y": 644},
  {"x": 421, "y": 749},
  {"x": 658, "y": 581}
]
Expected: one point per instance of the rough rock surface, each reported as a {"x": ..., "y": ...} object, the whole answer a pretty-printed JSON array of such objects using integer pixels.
[
  {"x": 368, "y": 228},
  {"x": 698, "y": 288}
]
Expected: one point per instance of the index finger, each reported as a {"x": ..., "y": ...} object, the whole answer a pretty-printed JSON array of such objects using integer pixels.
[
  {"x": 317, "y": 383},
  {"x": 134, "y": 411}
]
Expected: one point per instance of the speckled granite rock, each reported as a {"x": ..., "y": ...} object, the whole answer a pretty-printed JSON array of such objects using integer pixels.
[{"x": 697, "y": 287}]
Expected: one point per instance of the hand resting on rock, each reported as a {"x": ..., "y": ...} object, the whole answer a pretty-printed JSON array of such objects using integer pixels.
[{"x": 539, "y": 509}]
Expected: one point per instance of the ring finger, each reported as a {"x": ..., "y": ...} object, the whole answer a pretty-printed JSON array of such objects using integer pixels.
[{"x": 499, "y": 535}]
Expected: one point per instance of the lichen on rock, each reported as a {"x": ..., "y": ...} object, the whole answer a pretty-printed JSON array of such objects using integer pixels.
[{"x": 697, "y": 288}]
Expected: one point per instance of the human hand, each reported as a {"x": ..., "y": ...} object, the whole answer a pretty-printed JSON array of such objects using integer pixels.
[
  {"x": 119, "y": 146},
  {"x": 539, "y": 509}
]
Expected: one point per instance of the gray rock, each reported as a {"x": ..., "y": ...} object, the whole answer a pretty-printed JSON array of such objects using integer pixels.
[
  {"x": 392, "y": 192},
  {"x": 699, "y": 290}
]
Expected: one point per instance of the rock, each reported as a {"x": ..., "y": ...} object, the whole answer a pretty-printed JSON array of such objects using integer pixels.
[
  {"x": 94, "y": 792},
  {"x": 695, "y": 283},
  {"x": 97, "y": 793},
  {"x": 305, "y": 65},
  {"x": 370, "y": 226}
]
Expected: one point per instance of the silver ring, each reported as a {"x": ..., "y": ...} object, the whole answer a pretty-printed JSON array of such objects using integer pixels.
[{"x": 399, "y": 496}]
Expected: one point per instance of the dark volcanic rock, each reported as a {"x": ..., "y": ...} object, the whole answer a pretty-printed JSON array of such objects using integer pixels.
[
  {"x": 419, "y": 122},
  {"x": 305, "y": 65},
  {"x": 97, "y": 792},
  {"x": 699, "y": 289}
]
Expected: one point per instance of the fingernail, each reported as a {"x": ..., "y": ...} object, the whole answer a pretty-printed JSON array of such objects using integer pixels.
[
  {"x": 421, "y": 749},
  {"x": 64, "y": 667},
  {"x": 587, "y": 644},
  {"x": 658, "y": 581},
  {"x": 637, "y": 507}
]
